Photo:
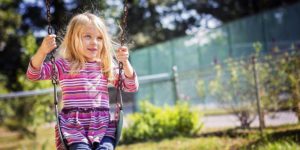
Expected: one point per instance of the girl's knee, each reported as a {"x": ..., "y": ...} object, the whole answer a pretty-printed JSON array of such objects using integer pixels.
[
  {"x": 80, "y": 146},
  {"x": 107, "y": 143},
  {"x": 105, "y": 146}
]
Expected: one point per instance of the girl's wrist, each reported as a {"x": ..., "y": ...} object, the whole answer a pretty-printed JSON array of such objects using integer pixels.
[
  {"x": 126, "y": 63},
  {"x": 41, "y": 53}
]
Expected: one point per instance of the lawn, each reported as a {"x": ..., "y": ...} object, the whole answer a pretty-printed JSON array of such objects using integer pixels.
[{"x": 284, "y": 137}]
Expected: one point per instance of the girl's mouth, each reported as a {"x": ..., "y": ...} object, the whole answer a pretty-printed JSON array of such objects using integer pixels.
[{"x": 92, "y": 49}]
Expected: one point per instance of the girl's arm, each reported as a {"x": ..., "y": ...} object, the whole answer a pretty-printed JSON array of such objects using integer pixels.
[
  {"x": 37, "y": 70},
  {"x": 128, "y": 70},
  {"x": 130, "y": 81}
]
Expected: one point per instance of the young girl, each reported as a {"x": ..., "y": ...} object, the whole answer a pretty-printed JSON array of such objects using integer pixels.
[{"x": 85, "y": 68}]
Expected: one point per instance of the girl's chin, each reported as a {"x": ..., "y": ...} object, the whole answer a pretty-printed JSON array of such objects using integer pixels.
[{"x": 92, "y": 59}]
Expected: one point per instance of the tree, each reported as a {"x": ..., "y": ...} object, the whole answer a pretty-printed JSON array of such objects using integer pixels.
[
  {"x": 279, "y": 82},
  {"x": 17, "y": 47},
  {"x": 152, "y": 21},
  {"x": 10, "y": 46},
  {"x": 234, "y": 89},
  {"x": 293, "y": 79}
]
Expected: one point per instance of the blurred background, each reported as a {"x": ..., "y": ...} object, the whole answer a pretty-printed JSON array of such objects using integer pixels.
[{"x": 210, "y": 71}]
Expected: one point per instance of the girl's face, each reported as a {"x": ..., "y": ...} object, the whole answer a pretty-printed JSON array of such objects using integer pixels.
[{"x": 92, "y": 43}]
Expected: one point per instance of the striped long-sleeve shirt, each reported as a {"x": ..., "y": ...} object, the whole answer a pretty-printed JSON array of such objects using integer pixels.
[{"x": 86, "y": 89}]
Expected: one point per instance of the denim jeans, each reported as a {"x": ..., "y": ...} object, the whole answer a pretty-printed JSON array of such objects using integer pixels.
[{"x": 107, "y": 143}]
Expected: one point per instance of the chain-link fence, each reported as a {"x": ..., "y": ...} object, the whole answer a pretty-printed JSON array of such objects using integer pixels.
[
  {"x": 195, "y": 54},
  {"x": 273, "y": 32}
]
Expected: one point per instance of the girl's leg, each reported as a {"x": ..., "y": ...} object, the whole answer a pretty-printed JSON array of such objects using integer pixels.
[
  {"x": 107, "y": 143},
  {"x": 80, "y": 146}
]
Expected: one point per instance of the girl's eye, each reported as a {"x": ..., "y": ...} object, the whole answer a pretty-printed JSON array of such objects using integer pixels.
[
  {"x": 87, "y": 36},
  {"x": 99, "y": 38}
]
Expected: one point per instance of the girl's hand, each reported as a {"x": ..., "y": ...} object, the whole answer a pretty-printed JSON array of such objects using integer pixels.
[
  {"x": 122, "y": 54},
  {"x": 48, "y": 44}
]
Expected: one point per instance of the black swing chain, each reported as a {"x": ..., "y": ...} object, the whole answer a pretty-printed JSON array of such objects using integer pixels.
[
  {"x": 54, "y": 76},
  {"x": 124, "y": 23},
  {"x": 122, "y": 40},
  {"x": 50, "y": 31}
]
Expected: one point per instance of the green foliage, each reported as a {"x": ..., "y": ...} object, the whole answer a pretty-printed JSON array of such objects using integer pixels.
[
  {"x": 24, "y": 114},
  {"x": 278, "y": 145},
  {"x": 3, "y": 80},
  {"x": 28, "y": 42},
  {"x": 257, "y": 47},
  {"x": 200, "y": 86},
  {"x": 234, "y": 88},
  {"x": 10, "y": 19},
  {"x": 283, "y": 81},
  {"x": 153, "y": 122},
  {"x": 19, "y": 113}
]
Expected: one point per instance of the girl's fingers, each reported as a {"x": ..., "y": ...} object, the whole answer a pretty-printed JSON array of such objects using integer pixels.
[
  {"x": 48, "y": 44},
  {"x": 52, "y": 40},
  {"x": 52, "y": 36},
  {"x": 123, "y": 49},
  {"x": 52, "y": 45},
  {"x": 122, "y": 54},
  {"x": 122, "y": 58}
]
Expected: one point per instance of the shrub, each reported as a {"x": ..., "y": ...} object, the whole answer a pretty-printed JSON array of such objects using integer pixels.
[{"x": 153, "y": 122}]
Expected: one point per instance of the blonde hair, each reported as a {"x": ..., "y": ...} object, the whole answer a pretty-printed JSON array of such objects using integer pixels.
[{"x": 71, "y": 44}]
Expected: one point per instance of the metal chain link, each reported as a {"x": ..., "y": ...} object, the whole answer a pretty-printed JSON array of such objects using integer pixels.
[
  {"x": 50, "y": 29},
  {"x": 52, "y": 58},
  {"x": 122, "y": 40},
  {"x": 55, "y": 80},
  {"x": 124, "y": 23}
]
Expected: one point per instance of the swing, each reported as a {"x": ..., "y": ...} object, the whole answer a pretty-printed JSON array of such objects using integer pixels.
[{"x": 118, "y": 116}]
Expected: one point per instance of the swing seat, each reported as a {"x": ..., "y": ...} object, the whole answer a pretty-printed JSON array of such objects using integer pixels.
[{"x": 61, "y": 143}]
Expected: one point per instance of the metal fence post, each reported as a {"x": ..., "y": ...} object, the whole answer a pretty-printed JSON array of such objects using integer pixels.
[
  {"x": 260, "y": 113},
  {"x": 175, "y": 83}
]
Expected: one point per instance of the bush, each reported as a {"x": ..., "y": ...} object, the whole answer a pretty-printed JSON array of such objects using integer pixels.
[
  {"x": 25, "y": 114},
  {"x": 153, "y": 122}
]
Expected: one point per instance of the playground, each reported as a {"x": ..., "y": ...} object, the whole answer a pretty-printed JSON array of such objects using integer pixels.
[{"x": 199, "y": 75}]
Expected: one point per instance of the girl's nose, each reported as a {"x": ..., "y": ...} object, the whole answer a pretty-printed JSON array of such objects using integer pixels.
[{"x": 94, "y": 41}]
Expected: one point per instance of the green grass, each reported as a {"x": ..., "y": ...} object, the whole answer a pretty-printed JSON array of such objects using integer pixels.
[
  {"x": 279, "y": 138},
  {"x": 183, "y": 143},
  {"x": 14, "y": 141},
  {"x": 279, "y": 145}
]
